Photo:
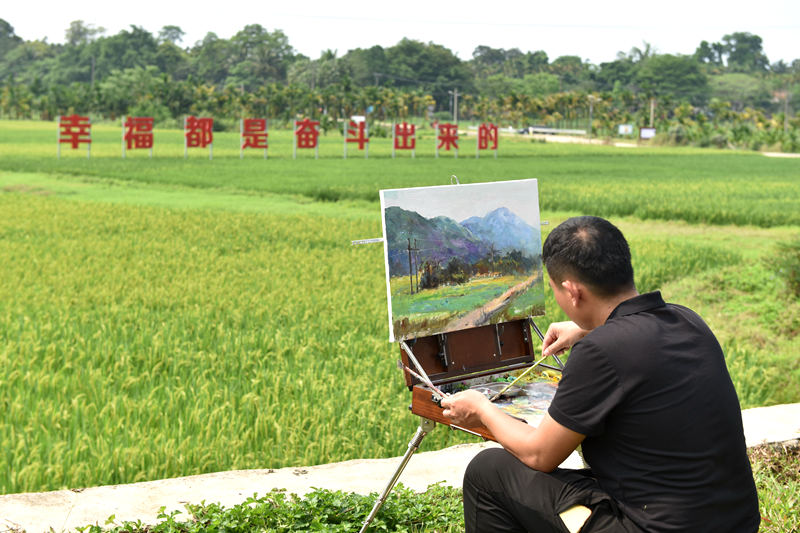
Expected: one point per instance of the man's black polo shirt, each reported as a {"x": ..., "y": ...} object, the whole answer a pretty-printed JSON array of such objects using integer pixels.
[{"x": 651, "y": 392}]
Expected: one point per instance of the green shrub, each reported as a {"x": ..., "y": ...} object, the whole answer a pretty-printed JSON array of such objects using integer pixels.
[
  {"x": 438, "y": 509},
  {"x": 678, "y": 135},
  {"x": 787, "y": 262}
]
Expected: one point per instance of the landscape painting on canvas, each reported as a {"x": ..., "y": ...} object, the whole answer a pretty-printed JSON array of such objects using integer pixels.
[{"x": 461, "y": 256}]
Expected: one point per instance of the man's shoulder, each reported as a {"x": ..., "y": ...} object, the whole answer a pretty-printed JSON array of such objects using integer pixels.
[
  {"x": 633, "y": 315},
  {"x": 622, "y": 339}
]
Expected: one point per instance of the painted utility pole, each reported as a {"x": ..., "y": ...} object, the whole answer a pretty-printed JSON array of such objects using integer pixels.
[{"x": 410, "y": 268}]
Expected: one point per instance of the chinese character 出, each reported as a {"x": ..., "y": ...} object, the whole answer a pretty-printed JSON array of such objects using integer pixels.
[
  {"x": 307, "y": 133},
  {"x": 406, "y": 132},
  {"x": 357, "y": 134},
  {"x": 139, "y": 132},
  {"x": 198, "y": 132},
  {"x": 254, "y": 133},
  {"x": 448, "y": 136},
  {"x": 487, "y": 137},
  {"x": 74, "y": 129}
]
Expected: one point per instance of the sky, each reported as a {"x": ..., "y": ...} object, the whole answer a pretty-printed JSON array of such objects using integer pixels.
[
  {"x": 595, "y": 31},
  {"x": 460, "y": 202}
]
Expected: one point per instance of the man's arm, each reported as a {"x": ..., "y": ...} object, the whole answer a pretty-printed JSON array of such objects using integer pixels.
[{"x": 542, "y": 448}]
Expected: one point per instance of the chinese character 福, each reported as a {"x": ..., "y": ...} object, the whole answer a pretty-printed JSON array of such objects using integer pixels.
[{"x": 138, "y": 132}]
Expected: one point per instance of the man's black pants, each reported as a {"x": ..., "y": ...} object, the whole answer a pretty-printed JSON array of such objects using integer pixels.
[{"x": 502, "y": 494}]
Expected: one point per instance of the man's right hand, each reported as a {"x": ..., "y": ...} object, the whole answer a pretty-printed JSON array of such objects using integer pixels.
[{"x": 561, "y": 336}]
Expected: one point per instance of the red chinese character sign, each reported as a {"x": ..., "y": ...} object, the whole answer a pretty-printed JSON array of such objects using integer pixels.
[
  {"x": 487, "y": 139},
  {"x": 356, "y": 132},
  {"x": 404, "y": 137},
  {"x": 306, "y": 135},
  {"x": 75, "y": 130},
  {"x": 137, "y": 133},
  {"x": 447, "y": 137},
  {"x": 198, "y": 134},
  {"x": 254, "y": 135}
]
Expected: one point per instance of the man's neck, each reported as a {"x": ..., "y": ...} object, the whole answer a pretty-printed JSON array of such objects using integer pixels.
[{"x": 605, "y": 306}]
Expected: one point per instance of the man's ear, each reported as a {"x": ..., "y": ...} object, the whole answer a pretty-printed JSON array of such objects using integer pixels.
[{"x": 574, "y": 290}]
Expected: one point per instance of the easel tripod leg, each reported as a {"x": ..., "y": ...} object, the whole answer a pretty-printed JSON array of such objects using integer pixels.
[{"x": 425, "y": 426}]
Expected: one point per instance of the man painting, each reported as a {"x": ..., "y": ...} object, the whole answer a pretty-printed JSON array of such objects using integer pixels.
[{"x": 647, "y": 394}]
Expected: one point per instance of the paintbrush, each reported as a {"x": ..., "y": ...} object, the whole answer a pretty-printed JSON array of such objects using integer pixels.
[
  {"x": 423, "y": 379},
  {"x": 538, "y": 334},
  {"x": 496, "y": 396}
]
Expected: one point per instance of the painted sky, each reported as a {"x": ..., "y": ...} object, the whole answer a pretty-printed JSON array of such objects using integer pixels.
[
  {"x": 594, "y": 31},
  {"x": 460, "y": 202}
]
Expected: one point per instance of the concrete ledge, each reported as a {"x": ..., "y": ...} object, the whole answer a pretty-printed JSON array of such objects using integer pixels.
[
  {"x": 778, "y": 423},
  {"x": 64, "y": 510}
]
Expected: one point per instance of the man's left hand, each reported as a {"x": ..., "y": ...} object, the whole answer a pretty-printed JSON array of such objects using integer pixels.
[{"x": 465, "y": 408}]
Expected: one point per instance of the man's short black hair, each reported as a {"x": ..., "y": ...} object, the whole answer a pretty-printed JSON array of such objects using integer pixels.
[{"x": 593, "y": 251}]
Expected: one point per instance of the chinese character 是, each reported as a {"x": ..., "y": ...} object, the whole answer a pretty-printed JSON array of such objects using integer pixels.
[{"x": 254, "y": 133}]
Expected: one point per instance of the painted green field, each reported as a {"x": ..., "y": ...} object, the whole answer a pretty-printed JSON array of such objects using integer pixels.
[
  {"x": 437, "y": 307},
  {"x": 168, "y": 317}
]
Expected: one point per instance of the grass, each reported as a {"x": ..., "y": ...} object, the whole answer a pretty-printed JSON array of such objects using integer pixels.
[
  {"x": 169, "y": 317},
  {"x": 776, "y": 470}
]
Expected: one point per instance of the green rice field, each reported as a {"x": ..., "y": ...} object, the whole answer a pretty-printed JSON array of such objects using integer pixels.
[{"x": 166, "y": 317}]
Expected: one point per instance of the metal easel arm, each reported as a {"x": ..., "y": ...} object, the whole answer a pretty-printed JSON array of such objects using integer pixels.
[
  {"x": 541, "y": 337},
  {"x": 425, "y": 426}
]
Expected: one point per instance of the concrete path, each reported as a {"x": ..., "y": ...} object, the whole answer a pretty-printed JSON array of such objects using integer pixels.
[{"x": 65, "y": 510}]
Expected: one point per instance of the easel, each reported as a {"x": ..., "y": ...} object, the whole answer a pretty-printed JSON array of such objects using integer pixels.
[
  {"x": 456, "y": 356},
  {"x": 425, "y": 427}
]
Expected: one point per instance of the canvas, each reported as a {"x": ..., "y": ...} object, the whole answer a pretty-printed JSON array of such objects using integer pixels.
[{"x": 461, "y": 256}]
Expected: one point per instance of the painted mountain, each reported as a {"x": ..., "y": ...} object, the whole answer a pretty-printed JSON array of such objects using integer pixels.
[
  {"x": 506, "y": 231},
  {"x": 441, "y": 238}
]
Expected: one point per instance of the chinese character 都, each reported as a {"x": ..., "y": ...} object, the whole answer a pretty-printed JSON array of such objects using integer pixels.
[
  {"x": 307, "y": 133},
  {"x": 448, "y": 136},
  {"x": 404, "y": 136},
  {"x": 138, "y": 132},
  {"x": 74, "y": 129},
  {"x": 198, "y": 132},
  {"x": 487, "y": 137},
  {"x": 254, "y": 133},
  {"x": 356, "y": 133}
]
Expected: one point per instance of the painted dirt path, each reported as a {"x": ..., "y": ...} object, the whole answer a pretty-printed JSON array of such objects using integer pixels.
[{"x": 482, "y": 315}]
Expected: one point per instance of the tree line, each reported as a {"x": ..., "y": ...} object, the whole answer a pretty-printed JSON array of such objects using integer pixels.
[
  {"x": 458, "y": 271},
  {"x": 726, "y": 93}
]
